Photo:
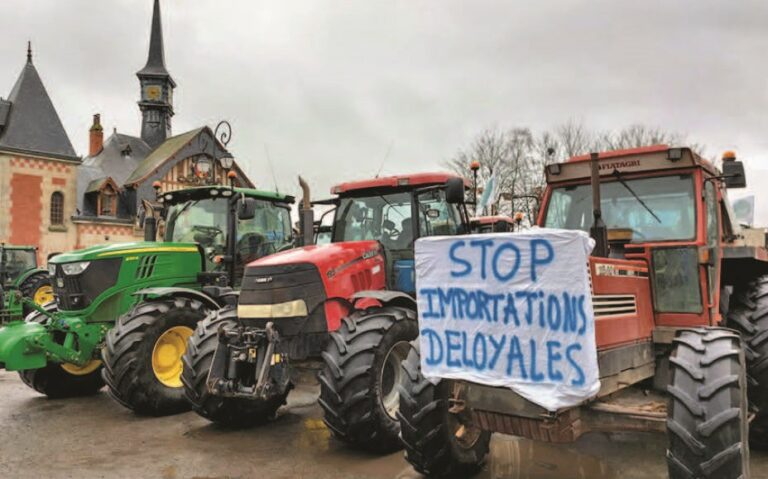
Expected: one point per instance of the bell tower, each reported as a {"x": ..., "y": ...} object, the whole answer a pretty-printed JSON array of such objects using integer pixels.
[{"x": 156, "y": 100}]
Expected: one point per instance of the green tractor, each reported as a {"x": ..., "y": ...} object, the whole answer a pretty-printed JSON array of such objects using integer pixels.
[
  {"x": 209, "y": 234},
  {"x": 19, "y": 272}
]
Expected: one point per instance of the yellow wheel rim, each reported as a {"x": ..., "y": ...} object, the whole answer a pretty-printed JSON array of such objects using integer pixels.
[
  {"x": 44, "y": 294},
  {"x": 166, "y": 356},
  {"x": 76, "y": 370}
]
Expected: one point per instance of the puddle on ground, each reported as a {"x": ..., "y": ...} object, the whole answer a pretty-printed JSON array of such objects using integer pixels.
[{"x": 517, "y": 458}]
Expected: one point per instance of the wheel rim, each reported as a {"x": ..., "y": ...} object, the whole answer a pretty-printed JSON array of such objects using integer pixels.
[
  {"x": 76, "y": 370},
  {"x": 166, "y": 355},
  {"x": 391, "y": 376},
  {"x": 44, "y": 294}
]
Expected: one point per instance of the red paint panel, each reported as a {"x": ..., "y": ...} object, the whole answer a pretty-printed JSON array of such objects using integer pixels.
[
  {"x": 59, "y": 181},
  {"x": 26, "y": 208},
  {"x": 419, "y": 179}
]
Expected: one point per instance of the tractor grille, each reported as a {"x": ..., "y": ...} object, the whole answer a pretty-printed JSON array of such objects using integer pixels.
[
  {"x": 146, "y": 267},
  {"x": 74, "y": 292},
  {"x": 614, "y": 304},
  {"x": 281, "y": 284}
]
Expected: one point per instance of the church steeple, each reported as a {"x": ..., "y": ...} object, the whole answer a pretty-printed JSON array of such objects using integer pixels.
[{"x": 157, "y": 86}]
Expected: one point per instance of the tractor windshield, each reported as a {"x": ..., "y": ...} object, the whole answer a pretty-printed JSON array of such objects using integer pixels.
[
  {"x": 386, "y": 218},
  {"x": 18, "y": 261},
  {"x": 199, "y": 221},
  {"x": 654, "y": 209},
  {"x": 268, "y": 232}
]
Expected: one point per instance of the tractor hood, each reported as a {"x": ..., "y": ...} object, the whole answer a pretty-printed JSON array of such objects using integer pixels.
[
  {"x": 327, "y": 258},
  {"x": 122, "y": 249}
]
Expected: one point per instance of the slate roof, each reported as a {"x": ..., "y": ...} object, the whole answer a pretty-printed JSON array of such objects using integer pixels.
[
  {"x": 32, "y": 124},
  {"x": 159, "y": 156},
  {"x": 112, "y": 161},
  {"x": 156, "y": 59}
]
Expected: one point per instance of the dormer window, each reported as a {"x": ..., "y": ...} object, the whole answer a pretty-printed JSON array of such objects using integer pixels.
[{"x": 126, "y": 151}]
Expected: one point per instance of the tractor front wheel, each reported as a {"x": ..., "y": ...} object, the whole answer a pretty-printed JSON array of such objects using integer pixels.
[
  {"x": 142, "y": 356},
  {"x": 707, "y": 417},
  {"x": 438, "y": 442},
  {"x": 57, "y": 380},
  {"x": 227, "y": 411},
  {"x": 38, "y": 288},
  {"x": 361, "y": 376}
]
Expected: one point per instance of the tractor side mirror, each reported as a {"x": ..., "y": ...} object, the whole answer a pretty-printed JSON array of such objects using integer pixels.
[
  {"x": 454, "y": 191},
  {"x": 733, "y": 173},
  {"x": 246, "y": 209}
]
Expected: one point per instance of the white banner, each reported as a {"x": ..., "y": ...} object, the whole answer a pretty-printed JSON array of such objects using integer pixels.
[{"x": 512, "y": 310}]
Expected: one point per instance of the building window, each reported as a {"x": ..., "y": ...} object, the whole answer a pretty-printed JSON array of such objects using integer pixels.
[
  {"x": 107, "y": 202},
  {"x": 57, "y": 208}
]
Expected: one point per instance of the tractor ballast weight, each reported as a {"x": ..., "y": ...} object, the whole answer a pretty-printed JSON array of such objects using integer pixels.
[
  {"x": 349, "y": 303},
  {"x": 61, "y": 343},
  {"x": 679, "y": 299}
]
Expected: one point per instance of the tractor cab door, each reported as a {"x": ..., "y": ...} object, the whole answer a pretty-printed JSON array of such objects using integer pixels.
[{"x": 713, "y": 245}]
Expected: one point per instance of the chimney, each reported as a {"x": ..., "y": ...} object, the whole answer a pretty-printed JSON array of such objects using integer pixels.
[{"x": 96, "y": 136}]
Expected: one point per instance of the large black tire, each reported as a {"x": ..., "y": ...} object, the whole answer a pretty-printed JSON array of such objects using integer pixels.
[
  {"x": 358, "y": 383},
  {"x": 54, "y": 380},
  {"x": 37, "y": 285},
  {"x": 429, "y": 430},
  {"x": 230, "y": 412},
  {"x": 748, "y": 314},
  {"x": 130, "y": 346},
  {"x": 707, "y": 417}
]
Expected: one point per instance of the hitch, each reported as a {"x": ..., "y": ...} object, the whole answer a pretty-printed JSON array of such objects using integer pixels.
[{"x": 246, "y": 364}]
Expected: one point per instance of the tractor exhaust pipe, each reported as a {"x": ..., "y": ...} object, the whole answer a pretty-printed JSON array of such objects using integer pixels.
[
  {"x": 598, "y": 232},
  {"x": 306, "y": 216}
]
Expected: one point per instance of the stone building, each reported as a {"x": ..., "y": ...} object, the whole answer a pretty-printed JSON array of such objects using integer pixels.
[{"x": 59, "y": 202}]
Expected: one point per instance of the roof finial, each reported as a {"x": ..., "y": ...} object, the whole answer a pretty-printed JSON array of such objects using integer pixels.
[{"x": 29, "y": 52}]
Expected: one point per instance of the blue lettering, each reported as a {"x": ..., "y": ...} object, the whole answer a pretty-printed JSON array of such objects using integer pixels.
[
  {"x": 570, "y": 316},
  {"x": 456, "y": 260},
  {"x": 511, "y": 309},
  {"x": 480, "y": 361},
  {"x": 535, "y": 375},
  {"x": 483, "y": 244},
  {"x": 515, "y": 354},
  {"x": 430, "y": 313},
  {"x": 497, "y": 347},
  {"x": 553, "y": 312},
  {"x": 434, "y": 339},
  {"x": 466, "y": 359},
  {"x": 452, "y": 346},
  {"x": 552, "y": 358},
  {"x": 583, "y": 315},
  {"x": 529, "y": 297},
  {"x": 536, "y": 260},
  {"x": 496, "y": 257},
  {"x": 580, "y": 380}
]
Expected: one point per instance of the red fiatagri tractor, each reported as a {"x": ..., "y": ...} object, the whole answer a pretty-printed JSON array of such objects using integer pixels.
[
  {"x": 350, "y": 302},
  {"x": 681, "y": 320}
]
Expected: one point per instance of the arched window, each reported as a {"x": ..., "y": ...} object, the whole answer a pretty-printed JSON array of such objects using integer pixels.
[{"x": 57, "y": 208}]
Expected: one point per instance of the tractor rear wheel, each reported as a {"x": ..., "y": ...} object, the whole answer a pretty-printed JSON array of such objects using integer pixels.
[
  {"x": 748, "y": 314},
  {"x": 38, "y": 288},
  {"x": 359, "y": 381},
  {"x": 707, "y": 418},
  {"x": 438, "y": 443},
  {"x": 197, "y": 359},
  {"x": 57, "y": 380},
  {"x": 142, "y": 355}
]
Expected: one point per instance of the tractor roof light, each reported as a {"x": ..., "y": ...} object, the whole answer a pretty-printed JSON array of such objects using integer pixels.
[
  {"x": 675, "y": 154},
  {"x": 403, "y": 181},
  {"x": 729, "y": 155},
  {"x": 474, "y": 165},
  {"x": 553, "y": 169}
]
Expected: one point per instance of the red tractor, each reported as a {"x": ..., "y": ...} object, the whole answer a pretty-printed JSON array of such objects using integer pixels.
[
  {"x": 681, "y": 321},
  {"x": 349, "y": 302}
]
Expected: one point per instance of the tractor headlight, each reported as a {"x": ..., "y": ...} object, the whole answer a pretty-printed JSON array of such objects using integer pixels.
[
  {"x": 51, "y": 269},
  {"x": 289, "y": 309},
  {"x": 71, "y": 269}
]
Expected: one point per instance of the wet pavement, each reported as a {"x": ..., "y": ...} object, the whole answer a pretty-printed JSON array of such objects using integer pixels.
[{"x": 96, "y": 438}]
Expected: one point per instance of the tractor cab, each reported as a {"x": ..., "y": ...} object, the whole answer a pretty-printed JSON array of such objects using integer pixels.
[
  {"x": 493, "y": 224},
  {"x": 233, "y": 226},
  {"x": 395, "y": 211},
  {"x": 15, "y": 261}
]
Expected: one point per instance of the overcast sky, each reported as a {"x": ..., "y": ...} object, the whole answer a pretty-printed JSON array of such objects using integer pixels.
[{"x": 328, "y": 86}]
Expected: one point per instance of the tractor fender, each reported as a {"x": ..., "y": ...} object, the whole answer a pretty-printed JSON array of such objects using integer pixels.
[
  {"x": 206, "y": 299},
  {"x": 16, "y": 346},
  {"x": 386, "y": 298},
  {"x": 26, "y": 274}
]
